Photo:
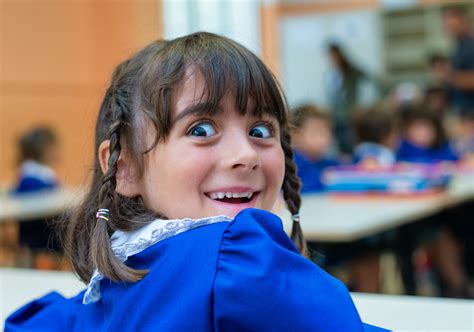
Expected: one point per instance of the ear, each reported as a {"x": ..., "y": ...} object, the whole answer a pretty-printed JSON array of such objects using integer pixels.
[{"x": 128, "y": 181}]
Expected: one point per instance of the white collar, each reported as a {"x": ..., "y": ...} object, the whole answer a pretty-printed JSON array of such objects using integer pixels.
[
  {"x": 383, "y": 154},
  {"x": 35, "y": 169},
  {"x": 127, "y": 244}
]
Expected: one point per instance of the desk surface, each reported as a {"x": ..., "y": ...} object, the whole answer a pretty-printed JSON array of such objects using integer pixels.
[
  {"x": 335, "y": 219},
  {"x": 38, "y": 205},
  {"x": 19, "y": 286},
  {"x": 324, "y": 218}
]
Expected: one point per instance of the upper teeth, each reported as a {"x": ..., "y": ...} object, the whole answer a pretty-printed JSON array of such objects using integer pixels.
[{"x": 221, "y": 195}]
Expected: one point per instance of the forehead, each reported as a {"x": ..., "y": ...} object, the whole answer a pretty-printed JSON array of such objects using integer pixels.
[
  {"x": 194, "y": 91},
  {"x": 315, "y": 122},
  {"x": 190, "y": 91},
  {"x": 420, "y": 122}
]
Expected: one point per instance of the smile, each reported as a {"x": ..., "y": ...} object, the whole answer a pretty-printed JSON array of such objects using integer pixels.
[{"x": 233, "y": 197}]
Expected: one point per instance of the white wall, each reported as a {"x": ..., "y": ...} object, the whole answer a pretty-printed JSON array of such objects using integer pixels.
[
  {"x": 237, "y": 19},
  {"x": 305, "y": 62}
]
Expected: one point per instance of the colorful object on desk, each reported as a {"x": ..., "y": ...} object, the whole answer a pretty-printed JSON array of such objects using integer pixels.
[
  {"x": 398, "y": 179},
  {"x": 103, "y": 214}
]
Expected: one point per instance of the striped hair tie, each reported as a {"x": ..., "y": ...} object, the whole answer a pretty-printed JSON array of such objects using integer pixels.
[{"x": 103, "y": 214}]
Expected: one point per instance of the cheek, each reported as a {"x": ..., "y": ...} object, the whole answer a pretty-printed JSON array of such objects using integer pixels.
[
  {"x": 275, "y": 168},
  {"x": 173, "y": 176}
]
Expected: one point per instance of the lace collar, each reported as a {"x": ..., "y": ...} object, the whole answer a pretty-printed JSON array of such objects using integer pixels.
[{"x": 126, "y": 244}]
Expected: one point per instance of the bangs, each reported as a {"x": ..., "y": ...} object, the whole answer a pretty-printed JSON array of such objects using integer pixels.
[{"x": 228, "y": 68}]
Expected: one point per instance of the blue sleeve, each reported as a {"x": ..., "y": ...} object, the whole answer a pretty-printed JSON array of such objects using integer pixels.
[
  {"x": 449, "y": 153},
  {"x": 51, "y": 312},
  {"x": 263, "y": 284}
]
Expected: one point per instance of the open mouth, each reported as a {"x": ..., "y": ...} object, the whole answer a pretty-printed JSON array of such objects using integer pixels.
[{"x": 233, "y": 198}]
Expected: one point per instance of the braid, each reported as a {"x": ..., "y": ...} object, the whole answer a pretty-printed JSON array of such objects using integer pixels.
[
  {"x": 291, "y": 188},
  {"x": 86, "y": 233},
  {"x": 101, "y": 254}
]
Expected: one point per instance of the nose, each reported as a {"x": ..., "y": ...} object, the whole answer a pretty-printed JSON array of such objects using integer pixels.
[{"x": 241, "y": 154}]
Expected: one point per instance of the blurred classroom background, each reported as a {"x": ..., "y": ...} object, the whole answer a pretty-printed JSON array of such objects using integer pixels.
[{"x": 382, "y": 100}]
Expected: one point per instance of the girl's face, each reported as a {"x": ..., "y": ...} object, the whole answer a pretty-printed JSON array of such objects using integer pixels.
[
  {"x": 314, "y": 138},
  {"x": 213, "y": 165},
  {"x": 421, "y": 133}
]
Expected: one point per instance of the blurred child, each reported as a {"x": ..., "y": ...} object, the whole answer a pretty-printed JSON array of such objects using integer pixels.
[
  {"x": 436, "y": 99},
  {"x": 423, "y": 136},
  {"x": 312, "y": 140},
  {"x": 425, "y": 141},
  {"x": 38, "y": 153},
  {"x": 377, "y": 136}
]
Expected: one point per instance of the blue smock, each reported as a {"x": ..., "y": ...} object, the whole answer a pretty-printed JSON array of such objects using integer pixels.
[
  {"x": 310, "y": 171},
  {"x": 408, "y": 152},
  {"x": 243, "y": 274}
]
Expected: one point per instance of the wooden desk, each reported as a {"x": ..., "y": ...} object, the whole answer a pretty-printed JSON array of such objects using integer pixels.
[{"x": 18, "y": 286}]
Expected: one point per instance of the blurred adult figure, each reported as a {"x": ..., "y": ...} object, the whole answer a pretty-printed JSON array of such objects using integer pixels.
[
  {"x": 461, "y": 75},
  {"x": 344, "y": 83}
]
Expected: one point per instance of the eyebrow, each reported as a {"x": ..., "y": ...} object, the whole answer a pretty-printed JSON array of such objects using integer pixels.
[
  {"x": 198, "y": 109},
  {"x": 204, "y": 108}
]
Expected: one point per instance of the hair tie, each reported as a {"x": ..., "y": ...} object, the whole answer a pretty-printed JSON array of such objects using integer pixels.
[
  {"x": 296, "y": 217},
  {"x": 103, "y": 214}
]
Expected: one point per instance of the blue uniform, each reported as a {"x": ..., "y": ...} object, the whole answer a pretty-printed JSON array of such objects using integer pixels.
[
  {"x": 214, "y": 274},
  {"x": 408, "y": 152},
  {"x": 310, "y": 171},
  {"x": 36, "y": 177}
]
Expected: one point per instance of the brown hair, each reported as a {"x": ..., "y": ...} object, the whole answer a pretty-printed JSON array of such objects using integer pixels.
[
  {"x": 140, "y": 92},
  {"x": 303, "y": 113},
  {"x": 33, "y": 144},
  {"x": 373, "y": 124}
]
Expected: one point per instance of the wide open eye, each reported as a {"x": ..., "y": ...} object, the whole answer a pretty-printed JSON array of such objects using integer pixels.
[
  {"x": 202, "y": 129},
  {"x": 261, "y": 130}
]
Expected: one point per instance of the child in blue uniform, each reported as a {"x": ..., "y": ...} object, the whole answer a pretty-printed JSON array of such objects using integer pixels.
[
  {"x": 192, "y": 146},
  {"x": 424, "y": 138},
  {"x": 312, "y": 140},
  {"x": 38, "y": 150},
  {"x": 375, "y": 129}
]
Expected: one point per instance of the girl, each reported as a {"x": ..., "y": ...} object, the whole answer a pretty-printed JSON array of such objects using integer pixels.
[
  {"x": 424, "y": 138},
  {"x": 39, "y": 153},
  {"x": 192, "y": 145},
  {"x": 376, "y": 133},
  {"x": 312, "y": 139}
]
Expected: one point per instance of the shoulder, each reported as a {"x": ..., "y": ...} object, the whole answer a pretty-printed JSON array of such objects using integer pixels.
[
  {"x": 51, "y": 312},
  {"x": 261, "y": 276},
  {"x": 407, "y": 150},
  {"x": 299, "y": 157},
  {"x": 447, "y": 152}
]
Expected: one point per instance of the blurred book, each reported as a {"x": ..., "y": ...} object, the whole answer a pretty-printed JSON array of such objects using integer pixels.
[{"x": 396, "y": 180}]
